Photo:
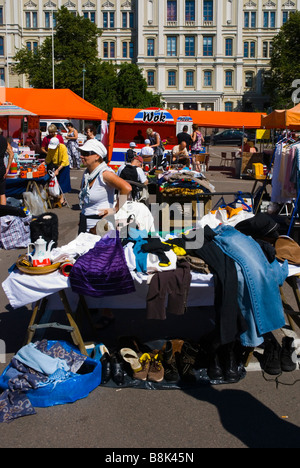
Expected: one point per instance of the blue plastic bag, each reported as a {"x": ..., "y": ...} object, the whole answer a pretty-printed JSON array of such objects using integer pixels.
[{"x": 66, "y": 390}]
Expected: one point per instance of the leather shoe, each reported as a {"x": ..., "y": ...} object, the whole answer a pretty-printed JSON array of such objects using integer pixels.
[
  {"x": 117, "y": 369},
  {"x": 106, "y": 368},
  {"x": 214, "y": 370},
  {"x": 231, "y": 370}
]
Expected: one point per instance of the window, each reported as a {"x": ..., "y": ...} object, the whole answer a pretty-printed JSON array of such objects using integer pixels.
[
  {"x": 1, "y": 46},
  {"x": 105, "y": 49},
  {"x": 171, "y": 46},
  {"x": 207, "y": 46},
  {"x": 1, "y": 15},
  {"x": 208, "y": 10},
  {"x": 124, "y": 50},
  {"x": 189, "y": 46},
  {"x": 171, "y": 78},
  {"x": 250, "y": 19},
  {"x": 172, "y": 10},
  {"x": 150, "y": 78},
  {"x": 267, "y": 49},
  {"x": 90, "y": 15},
  {"x": 48, "y": 19},
  {"x": 108, "y": 49},
  {"x": 150, "y": 48},
  {"x": 228, "y": 47},
  {"x": 228, "y": 78},
  {"x": 249, "y": 49},
  {"x": 248, "y": 79},
  {"x": 32, "y": 46},
  {"x": 2, "y": 77},
  {"x": 189, "y": 10},
  {"x": 207, "y": 78},
  {"x": 189, "y": 78},
  {"x": 108, "y": 19},
  {"x": 131, "y": 49},
  {"x": 228, "y": 106},
  {"x": 124, "y": 20},
  {"x": 269, "y": 19},
  {"x": 31, "y": 19}
]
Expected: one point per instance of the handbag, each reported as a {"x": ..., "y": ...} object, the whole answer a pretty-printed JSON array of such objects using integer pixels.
[{"x": 53, "y": 186}]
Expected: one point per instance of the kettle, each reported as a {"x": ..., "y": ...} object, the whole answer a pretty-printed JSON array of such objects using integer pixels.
[{"x": 40, "y": 256}]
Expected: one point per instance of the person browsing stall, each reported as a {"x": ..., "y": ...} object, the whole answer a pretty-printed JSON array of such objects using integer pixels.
[
  {"x": 99, "y": 182},
  {"x": 5, "y": 148},
  {"x": 72, "y": 146},
  {"x": 180, "y": 154},
  {"x": 52, "y": 132},
  {"x": 185, "y": 136},
  {"x": 57, "y": 160},
  {"x": 133, "y": 171}
]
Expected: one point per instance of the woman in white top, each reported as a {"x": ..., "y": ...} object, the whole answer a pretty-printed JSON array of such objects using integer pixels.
[{"x": 98, "y": 187}]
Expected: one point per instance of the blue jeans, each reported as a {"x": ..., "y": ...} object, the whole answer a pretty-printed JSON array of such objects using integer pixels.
[{"x": 261, "y": 277}]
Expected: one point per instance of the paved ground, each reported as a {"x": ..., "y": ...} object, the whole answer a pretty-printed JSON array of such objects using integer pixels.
[{"x": 252, "y": 413}]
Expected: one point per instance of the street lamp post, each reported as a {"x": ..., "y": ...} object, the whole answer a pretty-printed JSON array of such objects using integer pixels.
[
  {"x": 83, "y": 73},
  {"x": 53, "y": 74}
]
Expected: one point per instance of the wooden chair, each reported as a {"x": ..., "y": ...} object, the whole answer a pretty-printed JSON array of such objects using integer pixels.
[{"x": 227, "y": 162}]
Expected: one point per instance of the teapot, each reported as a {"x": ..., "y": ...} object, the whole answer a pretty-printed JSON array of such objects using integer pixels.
[{"x": 40, "y": 256}]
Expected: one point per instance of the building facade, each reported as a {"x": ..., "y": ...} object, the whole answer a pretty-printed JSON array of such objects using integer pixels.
[{"x": 199, "y": 54}]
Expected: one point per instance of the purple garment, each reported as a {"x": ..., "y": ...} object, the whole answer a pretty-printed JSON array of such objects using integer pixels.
[{"x": 103, "y": 270}]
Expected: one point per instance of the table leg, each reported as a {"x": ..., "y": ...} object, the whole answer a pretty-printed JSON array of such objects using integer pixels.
[{"x": 76, "y": 335}]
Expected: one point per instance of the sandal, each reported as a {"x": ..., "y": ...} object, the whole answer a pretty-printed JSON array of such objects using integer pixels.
[
  {"x": 130, "y": 356},
  {"x": 104, "y": 322}
]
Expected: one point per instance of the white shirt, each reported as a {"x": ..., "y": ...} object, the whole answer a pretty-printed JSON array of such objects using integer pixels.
[{"x": 147, "y": 151}]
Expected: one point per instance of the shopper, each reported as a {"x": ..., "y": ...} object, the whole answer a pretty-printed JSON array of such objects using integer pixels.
[
  {"x": 57, "y": 160},
  {"x": 52, "y": 132},
  {"x": 5, "y": 148},
  {"x": 73, "y": 146}
]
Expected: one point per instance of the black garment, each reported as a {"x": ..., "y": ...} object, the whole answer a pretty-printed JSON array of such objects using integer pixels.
[
  {"x": 176, "y": 285},
  {"x": 130, "y": 173},
  {"x": 157, "y": 247},
  {"x": 230, "y": 323},
  {"x": 184, "y": 136}
]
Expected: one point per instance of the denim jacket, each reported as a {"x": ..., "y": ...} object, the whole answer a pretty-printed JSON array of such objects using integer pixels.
[{"x": 262, "y": 278}]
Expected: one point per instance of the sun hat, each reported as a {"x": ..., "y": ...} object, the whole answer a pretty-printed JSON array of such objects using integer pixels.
[
  {"x": 95, "y": 146},
  {"x": 147, "y": 142},
  {"x": 53, "y": 143},
  {"x": 132, "y": 144}
]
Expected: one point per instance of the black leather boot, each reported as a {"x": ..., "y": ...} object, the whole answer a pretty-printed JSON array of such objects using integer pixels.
[
  {"x": 214, "y": 370},
  {"x": 286, "y": 358},
  {"x": 271, "y": 357},
  {"x": 231, "y": 370},
  {"x": 117, "y": 369},
  {"x": 106, "y": 368}
]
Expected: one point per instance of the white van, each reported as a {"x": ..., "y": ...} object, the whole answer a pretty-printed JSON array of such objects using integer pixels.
[{"x": 61, "y": 128}]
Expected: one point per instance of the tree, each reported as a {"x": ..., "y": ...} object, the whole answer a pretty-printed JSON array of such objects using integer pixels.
[
  {"x": 132, "y": 88},
  {"x": 284, "y": 63},
  {"x": 75, "y": 48}
]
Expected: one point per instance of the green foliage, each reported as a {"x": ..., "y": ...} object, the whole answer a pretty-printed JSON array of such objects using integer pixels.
[
  {"x": 75, "y": 50},
  {"x": 284, "y": 63}
]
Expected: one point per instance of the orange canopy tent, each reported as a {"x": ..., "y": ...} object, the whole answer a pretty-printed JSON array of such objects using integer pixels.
[
  {"x": 283, "y": 119},
  {"x": 53, "y": 103},
  {"x": 124, "y": 122}
]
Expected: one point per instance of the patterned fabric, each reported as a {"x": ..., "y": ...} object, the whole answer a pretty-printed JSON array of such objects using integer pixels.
[
  {"x": 14, "y": 232},
  {"x": 14, "y": 403},
  {"x": 73, "y": 152}
]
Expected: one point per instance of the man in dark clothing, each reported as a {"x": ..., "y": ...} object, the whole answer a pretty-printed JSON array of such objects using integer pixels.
[{"x": 184, "y": 136}]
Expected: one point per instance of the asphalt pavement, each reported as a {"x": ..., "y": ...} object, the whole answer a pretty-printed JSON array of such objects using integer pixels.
[{"x": 259, "y": 411}]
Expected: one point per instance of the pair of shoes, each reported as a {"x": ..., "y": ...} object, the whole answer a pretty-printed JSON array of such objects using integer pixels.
[
  {"x": 146, "y": 366},
  {"x": 112, "y": 368},
  {"x": 186, "y": 361},
  {"x": 223, "y": 365},
  {"x": 104, "y": 322},
  {"x": 276, "y": 358},
  {"x": 169, "y": 361}
]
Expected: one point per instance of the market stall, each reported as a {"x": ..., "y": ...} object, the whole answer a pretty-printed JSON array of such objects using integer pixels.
[{"x": 128, "y": 125}]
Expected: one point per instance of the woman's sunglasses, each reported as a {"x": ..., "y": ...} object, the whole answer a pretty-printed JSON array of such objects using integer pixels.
[{"x": 87, "y": 153}]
